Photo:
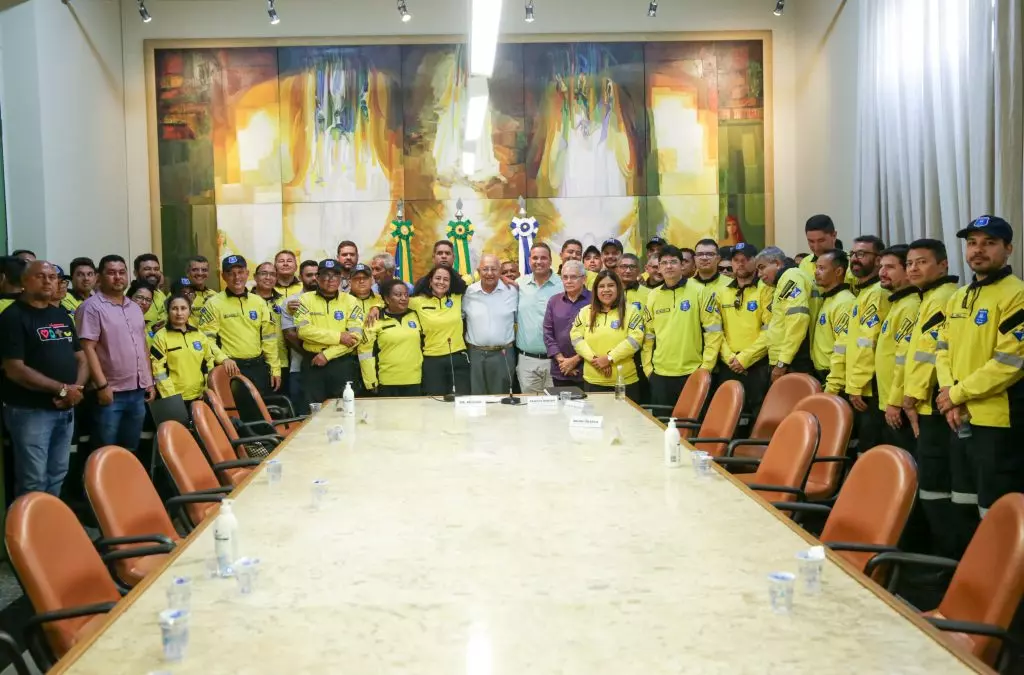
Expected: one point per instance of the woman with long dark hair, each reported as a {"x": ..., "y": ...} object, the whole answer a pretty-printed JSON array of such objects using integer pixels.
[{"x": 437, "y": 299}]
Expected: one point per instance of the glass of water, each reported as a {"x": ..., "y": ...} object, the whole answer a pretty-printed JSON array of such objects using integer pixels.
[
  {"x": 319, "y": 491},
  {"x": 274, "y": 471},
  {"x": 179, "y": 593},
  {"x": 245, "y": 575},
  {"x": 174, "y": 633},
  {"x": 780, "y": 591},
  {"x": 314, "y": 408},
  {"x": 335, "y": 433},
  {"x": 564, "y": 396},
  {"x": 811, "y": 565}
]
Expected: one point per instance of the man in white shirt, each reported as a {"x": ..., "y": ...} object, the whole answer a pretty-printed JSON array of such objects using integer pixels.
[
  {"x": 535, "y": 289},
  {"x": 489, "y": 309}
]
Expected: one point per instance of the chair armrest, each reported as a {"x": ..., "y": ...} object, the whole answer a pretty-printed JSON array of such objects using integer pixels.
[
  {"x": 709, "y": 439},
  {"x": 745, "y": 441},
  {"x": 835, "y": 458},
  {"x": 106, "y": 542},
  {"x": 687, "y": 425},
  {"x": 12, "y": 651},
  {"x": 785, "y": 489},
  {"x": 69, "y": 613},
  {"x": 986, "y": 629},
  {"x": 739, "y": 461},
  {"x": 250, "y": 428},
  {"x": 290, "y": 420},
  {"x": 268, "y": 438},
  {"x": 137, "y": 552},
  {"x": 280, "y": 398},
  {"x": 219, "y": 490},
  {"x": 651, "y": 407},
  {"x": 920, "y": 559},
  {"x": 859, "y": 547},
  {"x": 802, "y": 507},
  {"x": 236, "y": 464}
]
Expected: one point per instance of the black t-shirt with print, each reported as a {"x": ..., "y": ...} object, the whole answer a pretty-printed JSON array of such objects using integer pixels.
[{"x": 45, "y": 339}]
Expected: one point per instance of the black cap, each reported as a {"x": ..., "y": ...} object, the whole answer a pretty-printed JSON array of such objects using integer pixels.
[
  {"x": 749, "y": 250},
  {"x": 655, "y": 241},
  {"x": 329, "y": 265},
  {"x": 60, "y": 273},
  {"x": 612, "y": 242},
  {"x": 993, "y": 226},
  {"x": 232, "y": 261},
  {"x": 591, "y": 249},
  {"x": 178, "y": 285},
  {"x": 360, "y": 268}
]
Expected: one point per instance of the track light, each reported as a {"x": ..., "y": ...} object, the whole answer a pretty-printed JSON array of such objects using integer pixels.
[
  {"x": 272, "y": 13},
  {"x": 652, "y": 9},
  {"x": 529, "y": 12},
  {"x": 780, "y": 7},
  {"x": 404, "y": 11},
  {"x": 143, "y": 12}
]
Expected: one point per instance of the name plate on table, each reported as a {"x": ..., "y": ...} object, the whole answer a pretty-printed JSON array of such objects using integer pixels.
[
  {"x": 470, "y": 401},
  {"x": 586, "y": 422},
  {"x": 577, "y": 405},
  {"x": 542, "y": 401}
]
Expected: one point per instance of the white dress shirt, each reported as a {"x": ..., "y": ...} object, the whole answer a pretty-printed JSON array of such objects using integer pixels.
[{"x": 490, "y": 317}]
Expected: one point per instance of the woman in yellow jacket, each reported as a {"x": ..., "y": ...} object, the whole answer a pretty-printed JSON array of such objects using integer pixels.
[
  {"x": 182, "y": 355},
  {"x": 606, "y": 334},
  {"x": 437, "y": 298},
  {"x": 391, "y": 353}
]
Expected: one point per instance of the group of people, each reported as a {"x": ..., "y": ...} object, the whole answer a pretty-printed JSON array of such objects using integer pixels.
[{"x": 926, "y": 364}]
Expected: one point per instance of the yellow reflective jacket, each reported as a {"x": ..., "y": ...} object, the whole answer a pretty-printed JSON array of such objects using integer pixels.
[
  {"x": 618, "y": 338},
  {"x": 320, "y": 321},
  {"x": 981, "y": 347},
  {"x": 891, "y": 351},
  {"x": 858, "y": 361},
  {"x": 919, "y": 371},
  {"x": 291, "y": 289},
  {"x": 243, "y": 326},
  {"x": 391, "y": 352},
  {"x": 714, "y": 285},
  {"x": 791, "y": 315},
  {"x": 202, "y": 297},
  {"x": 157, "y": 312},
  {"x": 181, "y": 361},
  {"x": 441, "y": 319},
  {"x": 831, "y": 323},
  {"x": 683, "y": 330},
  {"x": 71, "y": 302},
  {"x": 745, "y": 319},
  {"x": 371, "y": 301},
  {"x": 637, "y": 297},
  {"x": 807, "y": 266}
]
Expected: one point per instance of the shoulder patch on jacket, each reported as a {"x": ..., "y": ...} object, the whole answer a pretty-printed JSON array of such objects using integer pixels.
[
  {"x": 1015, "y": 320},
  {"x": 936, "y": 320}
]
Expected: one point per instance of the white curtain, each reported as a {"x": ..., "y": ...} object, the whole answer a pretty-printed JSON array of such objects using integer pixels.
[{"x": 940, "y": 121}]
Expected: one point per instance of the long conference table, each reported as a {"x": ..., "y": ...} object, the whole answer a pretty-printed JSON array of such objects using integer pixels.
[{"x": 451, "y": 542}]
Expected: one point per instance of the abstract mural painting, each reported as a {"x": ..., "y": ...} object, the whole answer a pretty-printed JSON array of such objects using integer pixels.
[{"x": 300, "y": 147}]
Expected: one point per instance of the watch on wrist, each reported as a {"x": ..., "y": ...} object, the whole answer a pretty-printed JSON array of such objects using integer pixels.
[
  {"x": 781, "y": 364},
  {"x": 63, "y": 393}
]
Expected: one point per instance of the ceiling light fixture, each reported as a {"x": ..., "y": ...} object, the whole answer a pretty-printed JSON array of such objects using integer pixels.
[
  {"x": 485, "y": 21},
  {"x": 652, "y": 9},
  {"x": 530, "y": 18},
  {"x": 780, "y": 7},
  {"x": 143, "y": 12},
  {"x": 404, "y": 11},
  {"x": 272, "y": 13}
]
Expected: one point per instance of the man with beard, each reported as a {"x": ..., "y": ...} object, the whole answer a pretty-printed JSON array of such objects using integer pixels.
[
  {"x": 348, "y": 256},
  {"x": 652, "y": 273},
  {"x": 854, "y": 370},
  {"x": 689, "y": 265},
  {"x": 533, "y": 367},
  {"x": 197, "y": 271},
  {"x": 307, "y": 275},
  {"x": 707, "y": 258},
  {"x": 980, "y": 358},
  {"x": 444, "y": 256},
  {"x": 611, "y": 252},
  {"x": 83, "y": 280},
  {"x": 147, "y": 268}
]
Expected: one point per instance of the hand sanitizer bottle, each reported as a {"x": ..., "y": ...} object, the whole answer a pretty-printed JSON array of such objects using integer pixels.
[
  {"x": 673, "y": 447},
  {"x": 348, "y": 401},
  {"x": 225, "y": 538}
]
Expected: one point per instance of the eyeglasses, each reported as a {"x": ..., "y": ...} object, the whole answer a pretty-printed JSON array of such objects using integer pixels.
[
  {"x": 627, "y": 266},
  {"x": 706, "y": 254},
  {"x": 142, "y": 300},
  {"x": 266, "y": 273},
  {"x": 858, "y": 255},
  {"x": 571, "y": 277}
]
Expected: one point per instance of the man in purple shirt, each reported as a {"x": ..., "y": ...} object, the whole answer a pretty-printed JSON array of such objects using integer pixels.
[
  {"x": 566, "y": 364},
  {"x": 113, "y": 334}
]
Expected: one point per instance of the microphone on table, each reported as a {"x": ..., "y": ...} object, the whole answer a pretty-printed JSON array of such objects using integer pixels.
[
  {"x": 450, "y": 398},
  {"x": 511, "y": 398}
]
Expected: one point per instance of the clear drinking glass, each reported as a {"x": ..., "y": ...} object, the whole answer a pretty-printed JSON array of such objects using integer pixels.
[
  {"x": 174, "y": 633},
  {"x": 273, "y": 471},
  {"x": 179, "y": 593},
  {"x": 811, "y": 567},
  {"x": 314, "y": 408},
  {"x": 319, "y": 491},
  {"x": 335, "y": 433},
  {"x": 245, "y": 575},
  {"x": 780, "y": 591}
]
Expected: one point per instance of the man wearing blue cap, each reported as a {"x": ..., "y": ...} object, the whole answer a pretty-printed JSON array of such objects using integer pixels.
[
  {"x": 979, "y": 363},
  {"x": 611, "y": 252}
]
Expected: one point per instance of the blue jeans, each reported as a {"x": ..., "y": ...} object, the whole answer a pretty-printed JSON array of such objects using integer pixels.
[
  {"x": 42, "y": 447},
  {"x": 120, "y": 423}
]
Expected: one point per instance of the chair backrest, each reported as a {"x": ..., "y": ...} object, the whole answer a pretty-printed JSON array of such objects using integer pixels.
[
  {"x": 56, "y": 564},
  {"x": 124, "y": 499},
  {"x": 220, "y": 384},
  {"x": 168, "y": 409},
  {"x": 217, "y": 406},
  {"x": 187, "y": 465},
  {"x": 722, "y": 417},
  {"x": 789, "y": 455},
  {"x": 989, "y": 581},
  {"x": 249, "y": 400},
  {"x": 780, "y": 400},
  {"x": 875, "y": 502},
  {"x": 691, "y": 399},
  {"x": 216, "y": 442},
  {"x": 835, "y": 417}
]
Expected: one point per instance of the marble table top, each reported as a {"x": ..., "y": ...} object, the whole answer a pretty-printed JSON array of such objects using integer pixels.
[{"x": 506, "y": 543}]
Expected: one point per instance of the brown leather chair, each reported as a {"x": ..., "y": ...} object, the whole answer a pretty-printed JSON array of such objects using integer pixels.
[
  {"x": 781, "y": 399},
  {"x": 190, "y": 472},
  {"x": 781, "y": 473},
  {"x": 252, "y": 409},
  {"x": 690, "y": 402},
  {"x": 835, "y": 416},
  {"x": 229, "y": 468},
  {"x": 128, "y": 510},
  {"x": 987, "y": 584},
  {"x": 238, "y": 433},
  {"x": 872, "y": 508},
  {"x": 719, "y": 425},
  {"x": 64, "y": 577},
  {"x": 220, "y": 384}
]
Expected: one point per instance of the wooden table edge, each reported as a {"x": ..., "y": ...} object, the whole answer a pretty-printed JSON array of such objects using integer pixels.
[
  {"x": 901, "y": 608},
  {"x": 127, "y": 601}
]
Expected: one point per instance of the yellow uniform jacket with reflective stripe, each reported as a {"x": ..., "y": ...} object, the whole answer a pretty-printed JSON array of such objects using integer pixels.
[
  {"x": 244, "y": 327},
  {"x": 157, "y": 312},
  {"x": 320, "y": 322},
  {"x": 919, "y": 370},
  {"x": 182, "y": 360},
  {"x": 683, "y": 330},
  {"x": 291, "y": 289},
  {"x": 371, "y": 301},
  {"x": 891, "y": 351},
  {"x": 202, "y": 297},
  {"x": 791, "y": 315},
  {"x": 637, "y": 298},
  {"x": 70, "y": 302},
  {"x": 858, "y": 361},
  {"x": 807, "y": 266},
  {"x": 611, "y": 336},
  {"x": 830, "y": 325},
  {"x": 745, "y": 319},
  {"x": 981, "y": 347},
  {"x": 714, "y": 285},
  {"x": 441, "y": 319},
  {"x": 391, "y": 352}
]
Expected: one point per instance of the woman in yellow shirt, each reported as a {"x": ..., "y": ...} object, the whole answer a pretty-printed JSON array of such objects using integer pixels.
[
  {"x": 182, "y": 355},
  {"x": 391, "y": 353},
  {"x": 437, "y": 299},
  {"x": 606, "y": 334}
]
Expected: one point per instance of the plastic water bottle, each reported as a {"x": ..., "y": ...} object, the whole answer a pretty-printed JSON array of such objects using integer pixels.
[
  {"x": 673, "y": 447},
  {"x": 225, "y": 538},
  {"x": 348, "y": 401},
  {"x": 964, "y": 430},
  {"x": 620, "y": 386}
]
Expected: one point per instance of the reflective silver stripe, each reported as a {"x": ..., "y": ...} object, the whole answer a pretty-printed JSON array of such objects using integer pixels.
[
  {"x": 630, "y": 340},
  {"x": 1009, "y": 359},
  {"x": 713, "y": 329},
  {"x": 161, "y": 377},
  {"x": 941, "y": 344},
  {"x": 365, "y": 355},
  {"x": 964, "y": 498},
  {"x": 647, "y": 336},
  {"x": 576, "y": 341},
  {"x": 924, "y": 357},
  {"x": 270, "y": 338},
  {"x": 901, "y": 360},
  {"x": 928, "y": 495},
  {"x": 300, "y": 324},
  {"x": 356, "y": 330},
  {"x": 797, "y": 310},
  {"x": 864, "y": 342},
  {"x": 839, "y": 349}
]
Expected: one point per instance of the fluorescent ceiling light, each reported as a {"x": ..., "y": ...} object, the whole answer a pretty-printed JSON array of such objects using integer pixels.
[
  {"x": 483, "y": 37},
  {"x": 478, "y": 98}
]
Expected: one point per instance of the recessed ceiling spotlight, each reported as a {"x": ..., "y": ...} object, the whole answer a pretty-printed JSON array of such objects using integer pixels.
[
  {"x": 143, "y": 12},
  {"x": 530, "y": 18},
  {"x": 780, "y": 7},
  {"x": 272, "y": 13},
  {"x": 404, "y": 11},
  {"x": 652, "y": 9}
]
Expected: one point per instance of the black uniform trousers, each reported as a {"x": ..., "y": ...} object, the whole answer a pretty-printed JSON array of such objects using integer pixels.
[
  {"x": 755, "y": 384},
  {"x": 438, "y": 371},
  {"x": 397, "y": 390},
  {"x": 324, "y": 382},
  {"x": 665, "y": 390},
  {"x": 258, "y": 373},
  {"x": 935, "y": 484}
]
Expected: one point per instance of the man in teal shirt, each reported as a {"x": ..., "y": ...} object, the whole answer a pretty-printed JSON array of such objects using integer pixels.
[{"x": 535, "y": 289}]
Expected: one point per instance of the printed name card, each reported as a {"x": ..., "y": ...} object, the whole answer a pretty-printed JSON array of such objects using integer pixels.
[
  {"x": 470, "y": 401},
  {"x": 577, "y": 405},
  {"x": 542, "y": 401},
  {"x": 586, "y": 422}
]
